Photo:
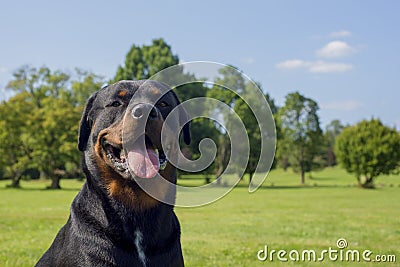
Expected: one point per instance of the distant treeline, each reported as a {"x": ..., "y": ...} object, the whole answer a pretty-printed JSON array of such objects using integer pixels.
[{"x": 39, "y": 123}]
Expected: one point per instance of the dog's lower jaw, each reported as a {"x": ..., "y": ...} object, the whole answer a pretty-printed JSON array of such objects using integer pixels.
[{"x": 115, "y": 157}]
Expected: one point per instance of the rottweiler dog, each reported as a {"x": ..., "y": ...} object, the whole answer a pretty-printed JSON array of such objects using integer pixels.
[{"x": 126, "y": 145}]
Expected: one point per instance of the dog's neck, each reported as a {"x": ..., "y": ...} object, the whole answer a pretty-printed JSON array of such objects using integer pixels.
[{"x": 156, "y": 225}]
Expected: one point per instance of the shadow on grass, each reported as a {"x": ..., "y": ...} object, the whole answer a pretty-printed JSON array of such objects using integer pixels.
[
  {"x": 272, "y": 186},
  {"x": 36, "y": 186},
  {"x": 5, "y": 188},
  {"x": 267, "y": 187},
  {"x": 321, "y": 178}
]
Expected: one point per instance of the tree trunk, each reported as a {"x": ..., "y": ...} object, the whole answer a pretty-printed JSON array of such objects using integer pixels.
[
  {"x": 222, "y": 160},
  {"x": 302, "y": 177},
  {"x": 55, "y": 182},
  {"x": 15, "y": 181},
  {"x": 369, "y": 183}
]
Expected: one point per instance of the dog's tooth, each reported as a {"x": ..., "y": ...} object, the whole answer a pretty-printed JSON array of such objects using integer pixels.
[{"x": 163, "y": 165}]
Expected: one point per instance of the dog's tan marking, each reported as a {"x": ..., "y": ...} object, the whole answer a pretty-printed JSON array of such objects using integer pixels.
[
  {"x": 119, "y": 188},
  {"x": 122, "y": 93},
  {"x": 155, "y": 91},
  {"x": 131, "y": 196}
]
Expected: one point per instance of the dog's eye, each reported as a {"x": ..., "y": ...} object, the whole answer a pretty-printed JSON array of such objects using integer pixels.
[
  {"x": 163, "y": 104},
  {"x": 114, "y": 104}
]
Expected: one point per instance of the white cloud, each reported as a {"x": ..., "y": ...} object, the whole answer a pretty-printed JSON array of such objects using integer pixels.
[
  {"x": 315, "y": 66},
  {"x": 3, "y": 69},
  {"x": 328, "y": 67},
  {"x": 291, "y": 64},
  {"x": 335, "y": 49},
  {"x": 346, "y": 105},
  {"x": 340, "y": 34}
]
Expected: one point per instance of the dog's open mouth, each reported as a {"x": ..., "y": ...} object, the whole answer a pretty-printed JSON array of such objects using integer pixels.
[{"x": 144, "y": 159}]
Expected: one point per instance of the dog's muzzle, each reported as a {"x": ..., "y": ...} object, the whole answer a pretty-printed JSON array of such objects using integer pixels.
[{"x": 145, "y": 156}]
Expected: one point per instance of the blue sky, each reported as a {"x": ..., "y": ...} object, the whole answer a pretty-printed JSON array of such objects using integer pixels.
[{"x": 343, "y": 54}]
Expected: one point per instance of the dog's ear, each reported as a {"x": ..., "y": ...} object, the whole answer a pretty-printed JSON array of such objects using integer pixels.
[
  {"x": 86, "y": 124},
  {"x": 183, "y": 120}
]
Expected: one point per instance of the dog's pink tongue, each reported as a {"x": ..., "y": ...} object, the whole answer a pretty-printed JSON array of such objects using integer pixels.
[{"x": 144, "y": 163}]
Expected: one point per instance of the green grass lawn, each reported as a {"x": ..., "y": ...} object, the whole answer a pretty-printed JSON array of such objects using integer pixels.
[{"x": 230, "y": 232}]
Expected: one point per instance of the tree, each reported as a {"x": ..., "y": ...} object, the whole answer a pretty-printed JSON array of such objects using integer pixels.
[
  {"x": 254, "y": 134},
  {"x": 143, "y": 62},
  {"x": 38, "y": 83},
  {"x": 42, "y": 121},
  {"x": 246, "y": 114},
  {"x": 230, "y": 78},
  {"x": 233, "y": 79},
  {"x": 200, "y": 128},
  {"x": 42, "y": 85},
  {"x": 53, "y": 137},
  {"x": 368, "y": 149},
  {"x": 15, "y": 151},
  {"x": 83, "y": 85},
  {"x": 148, "y": 60},
  {"x": 301, "y": 135},
  {"x": 332, "y": 130}
]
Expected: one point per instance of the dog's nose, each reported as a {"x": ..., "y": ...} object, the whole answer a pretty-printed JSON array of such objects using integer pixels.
[{"x": 143, "y": 110}]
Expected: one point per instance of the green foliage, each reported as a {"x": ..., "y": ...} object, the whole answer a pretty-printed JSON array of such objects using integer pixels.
[
  {"x": 39, "y": 83},
  {"x": 53, "y": 136},
  {"x": 143, "y": 62},
  {"x": 40, "y": 123},
  {"x": 245, "y": 112},
  {"x": 200, "y": 128},
  {"x": 15, "y": 149},
  {"x": 368, "y": 149},
  {"x": 83, "y": 86},
  {"x": 332, "y": 130},
  {"x": 231, "y": 78},
  {"x": 300, "y": 133}
]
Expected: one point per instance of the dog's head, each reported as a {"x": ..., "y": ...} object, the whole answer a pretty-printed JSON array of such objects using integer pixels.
[{"x": 124, "y": 137}]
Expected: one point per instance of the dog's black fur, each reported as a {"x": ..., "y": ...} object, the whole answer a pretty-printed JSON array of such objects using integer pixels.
[{"x": 113, "y": 222}]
